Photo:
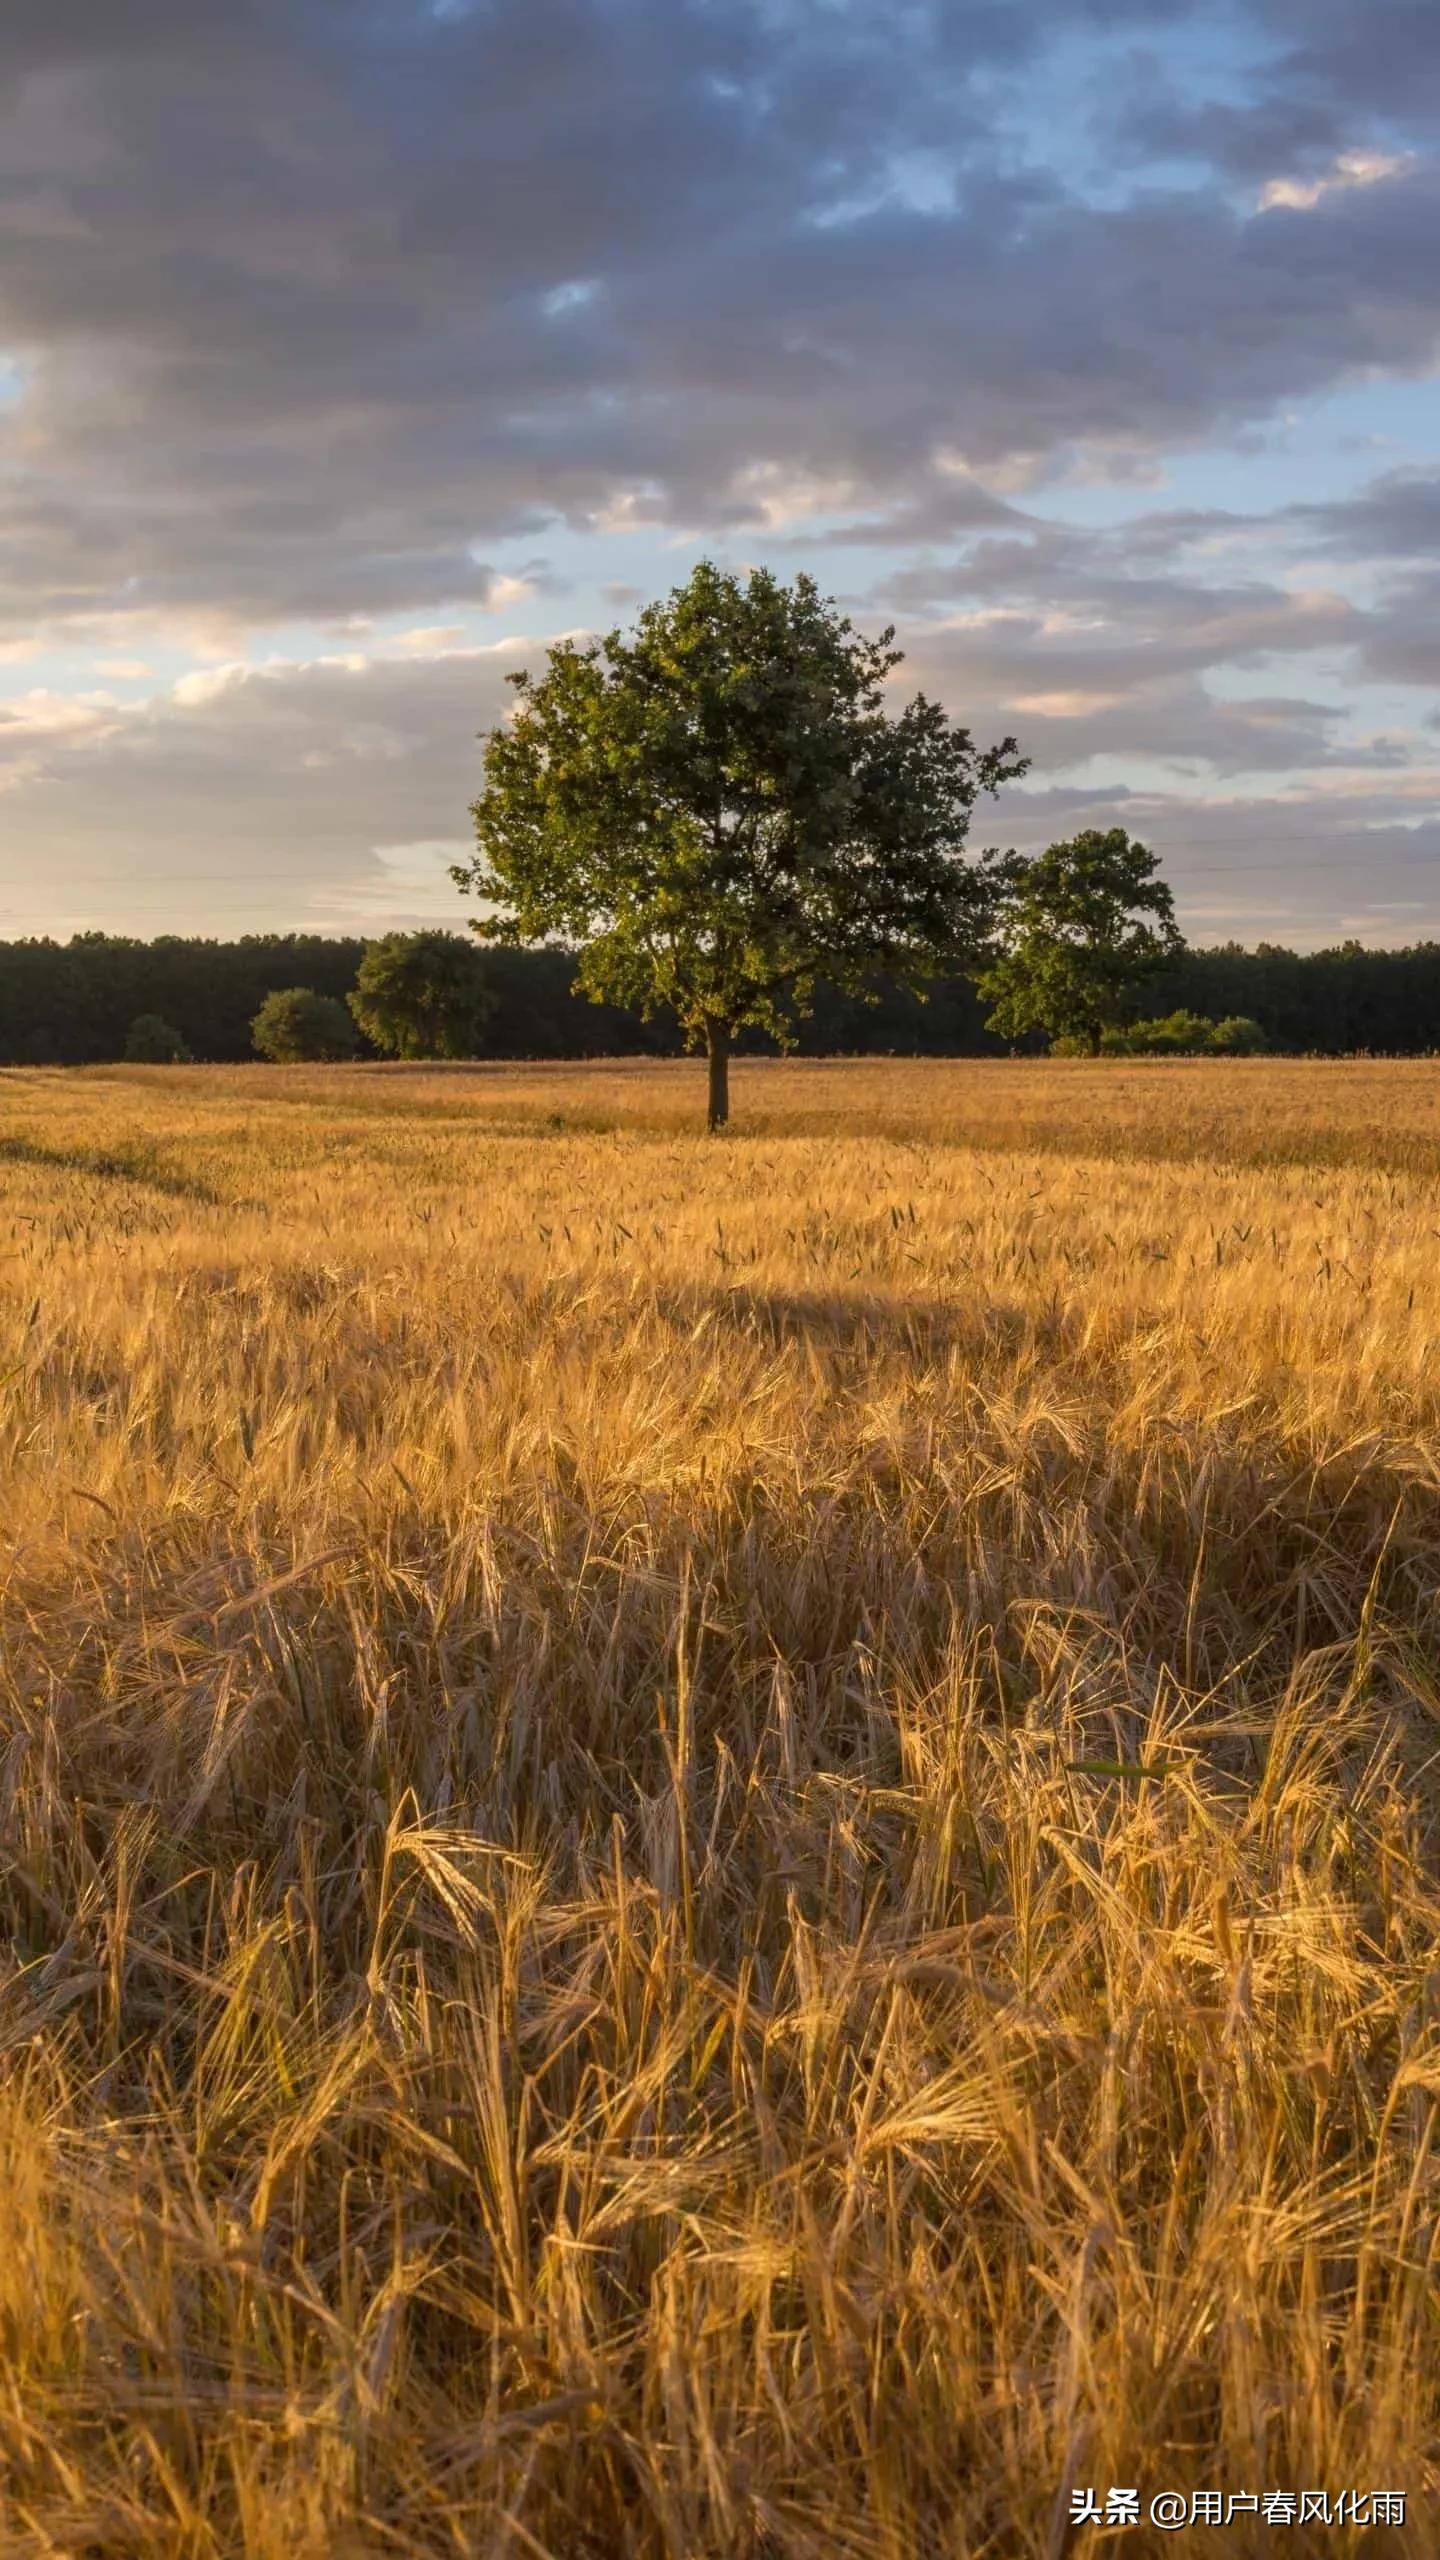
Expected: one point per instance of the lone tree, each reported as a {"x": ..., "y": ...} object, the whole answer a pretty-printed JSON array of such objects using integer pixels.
[
  {"x": 295, "y": 1026},
  {"x": 151, "y": 1041},
  {"x": 423, "y": 995},
  {"x": 719, "y": 810},
  {"x": 1083, "y": 925}
]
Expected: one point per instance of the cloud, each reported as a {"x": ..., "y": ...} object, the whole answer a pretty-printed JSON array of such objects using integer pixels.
[
  {"x": 403, "y": 884},
  {"x": 1115, "y": 643},
  {"x": 207, "y": 684},
  {"x": 1074, "y": 705},
  {"x": 368, "y": 321},
  {"x": 429, "y": 638},
  {"x": 252, "y": 793},
  {"x": 320, "y": 307},
  {"x": 1319, "y": 79},
  {"x": 333, "y": 791},
  {"x": 1305, "y": 867},
  {"x": 1397, "y": 519},
  {"x": 1392, "y": 529},
  {"x": 1352, "y": 169}
]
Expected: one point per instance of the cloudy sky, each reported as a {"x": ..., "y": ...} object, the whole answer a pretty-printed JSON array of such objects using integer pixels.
[{"x": 351, "y": 349}]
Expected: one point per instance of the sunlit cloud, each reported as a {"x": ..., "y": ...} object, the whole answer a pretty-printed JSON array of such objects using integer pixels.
[
  {"x": 1352, "y": 169},
  {"x": 1074, "y": 705},
  {"x": 430, "y": 637}
]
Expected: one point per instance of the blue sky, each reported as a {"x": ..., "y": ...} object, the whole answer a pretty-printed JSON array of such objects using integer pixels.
[{"x": 348, "y": 354}]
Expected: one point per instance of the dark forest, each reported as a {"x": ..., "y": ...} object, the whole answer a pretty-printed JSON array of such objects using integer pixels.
[{"x": 72, "y": 1003}]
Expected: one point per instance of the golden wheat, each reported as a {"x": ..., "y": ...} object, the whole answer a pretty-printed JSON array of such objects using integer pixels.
[{"x": 716, "y": 1847}]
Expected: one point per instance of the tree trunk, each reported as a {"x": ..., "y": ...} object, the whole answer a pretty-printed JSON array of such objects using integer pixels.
[{"x": 717, "y": 1050}]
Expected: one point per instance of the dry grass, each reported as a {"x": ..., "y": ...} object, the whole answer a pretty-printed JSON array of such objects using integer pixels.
[
  {"x": 569, "y": 1989},
  {"x": 1380, "y": 1115}
]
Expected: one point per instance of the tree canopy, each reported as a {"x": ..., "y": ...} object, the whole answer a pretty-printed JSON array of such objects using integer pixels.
[
  {"x": 423, "y": 995},
  {"x": 295, "y": 1026},
  {"x": 720, "y": 810},
  {"x": 1083, "y": 925},
  {"x": 152, "y": 1041}
]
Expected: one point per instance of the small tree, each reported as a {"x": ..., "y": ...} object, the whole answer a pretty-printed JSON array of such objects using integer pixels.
[
  {"x": 423, "y": 995},
  {"x": 720, "y": 810},
  {"x": 1084, "y": 925},
  {"x": 294, "y": 1026},
  {"x": 151, "y": 1041}
]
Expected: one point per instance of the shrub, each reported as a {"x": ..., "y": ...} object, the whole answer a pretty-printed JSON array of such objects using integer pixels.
[
  {"x": 1183, "y": 1035},
  {"x": 1173, "y": 1035},
  {"x": 151, "y": 1041},
  {"x": 1239, "y": 1036},
  {"x": 295, "y": 1026}
]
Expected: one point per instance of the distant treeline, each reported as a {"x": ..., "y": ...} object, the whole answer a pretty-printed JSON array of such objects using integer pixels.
[{"x": 72, "y": 1003}]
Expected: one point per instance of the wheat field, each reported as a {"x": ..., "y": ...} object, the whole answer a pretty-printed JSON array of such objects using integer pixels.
[{"x": 717, "y": 1846}]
